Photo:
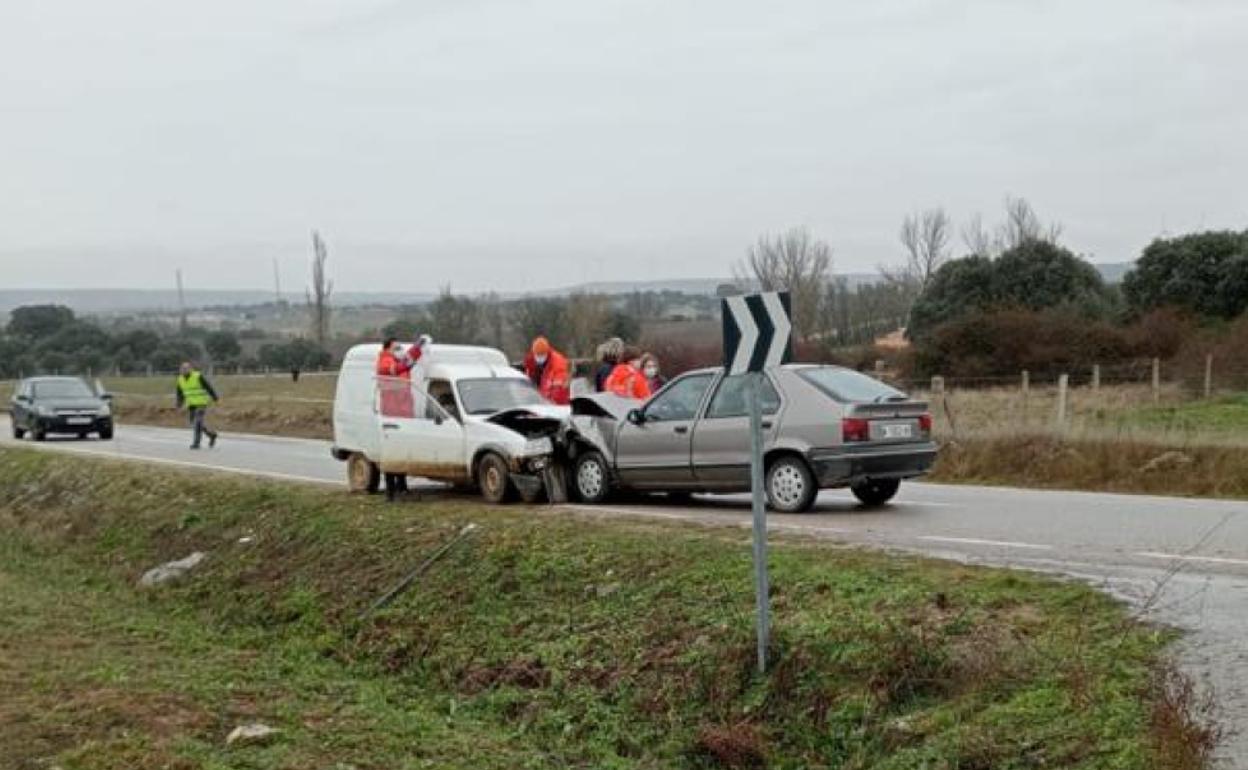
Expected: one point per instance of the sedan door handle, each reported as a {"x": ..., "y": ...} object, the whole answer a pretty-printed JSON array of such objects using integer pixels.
[
  {"x": 766, "y": 424},
  {"x": 389, "y": 426},
  {"x": 681, "y": 429}
]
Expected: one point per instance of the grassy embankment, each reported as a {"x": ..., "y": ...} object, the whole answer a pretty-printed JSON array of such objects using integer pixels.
[{"x": 541, "y": 641}]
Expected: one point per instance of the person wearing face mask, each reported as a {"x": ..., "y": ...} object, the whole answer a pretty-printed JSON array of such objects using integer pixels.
[
  {"x": 650, "y": 368},
  {"x": 548, "y": 370},
  {"x": 626, "y": 379}
]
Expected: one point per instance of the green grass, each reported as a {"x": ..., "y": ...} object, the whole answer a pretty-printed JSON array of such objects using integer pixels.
[
  {"x": 541, "y": 641},
  {"x": 1223, "y": 415}
]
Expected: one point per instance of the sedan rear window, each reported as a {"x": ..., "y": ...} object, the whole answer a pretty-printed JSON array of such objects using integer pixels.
[{"x": 850, "y": 387}]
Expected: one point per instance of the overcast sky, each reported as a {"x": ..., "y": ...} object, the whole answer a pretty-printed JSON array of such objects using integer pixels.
[{"x": 512, "y": 145}]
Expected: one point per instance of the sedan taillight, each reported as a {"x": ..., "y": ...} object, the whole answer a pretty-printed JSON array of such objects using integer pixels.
[
  {"x": 925, "y": 423},
  {"x": 855, "y": 429}
]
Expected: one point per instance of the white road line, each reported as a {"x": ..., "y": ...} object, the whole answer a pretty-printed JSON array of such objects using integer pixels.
[
  {"x": 977, "y": 541},
  {"x": 1183, "y": 557},
  {"x": 119, "y": 455}
]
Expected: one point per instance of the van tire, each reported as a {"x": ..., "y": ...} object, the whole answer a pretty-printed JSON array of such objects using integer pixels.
[
  {"x": 494, "y": 479},
  {"x": 363, "y": 475}
]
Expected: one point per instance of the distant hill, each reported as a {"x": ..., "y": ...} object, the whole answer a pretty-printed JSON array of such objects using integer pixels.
[{"x": 136, "y": 300}]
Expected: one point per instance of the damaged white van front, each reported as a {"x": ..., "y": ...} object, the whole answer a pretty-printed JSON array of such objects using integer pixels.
[{"x": 466, "y": 417}]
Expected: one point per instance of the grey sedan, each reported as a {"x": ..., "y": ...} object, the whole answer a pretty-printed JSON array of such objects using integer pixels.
[{"x": 824, "y": 427}]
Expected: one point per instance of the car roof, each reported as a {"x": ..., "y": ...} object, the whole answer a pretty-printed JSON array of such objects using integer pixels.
[
  {"x": 786, "y": 367},
  {"x": 36, "y": 380}
]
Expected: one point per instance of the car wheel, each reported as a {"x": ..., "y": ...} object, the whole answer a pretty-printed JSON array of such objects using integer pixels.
[
  {"x": 790, "y": 485},
  {"x": 18, "y": 433},
  {"x": 494, "y": 479},
  {"x": 591, "y": 478},
  {"x": 363, "y": 475},
  {"x": 874, "y": 492},
  {"x": 106, "y": 434},
  {"x": 38, "y": 433}
]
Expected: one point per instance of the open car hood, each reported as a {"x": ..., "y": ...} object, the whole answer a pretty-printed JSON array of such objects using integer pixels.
[
  {"x": 603, "y": 405},
  {"x": 536, "y": 420}
]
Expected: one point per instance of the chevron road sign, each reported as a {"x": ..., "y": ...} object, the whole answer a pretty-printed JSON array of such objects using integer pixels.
[
  {"x": 758, "y": 332},
  {"x": 758, "y": 335}
]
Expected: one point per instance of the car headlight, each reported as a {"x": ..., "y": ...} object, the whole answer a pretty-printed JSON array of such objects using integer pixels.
[{"x": 43, "y": 411}]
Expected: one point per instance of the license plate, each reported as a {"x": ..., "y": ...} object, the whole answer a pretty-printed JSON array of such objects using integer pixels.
[
  {"x": 897, "y": 431},
  {"x": 78, "y": 421}
]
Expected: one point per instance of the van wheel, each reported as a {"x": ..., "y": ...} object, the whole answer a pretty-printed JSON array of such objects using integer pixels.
[
  {"x": 591, "y": 478},
  {"x": 494, "y": 479},
  {"x": 875, "y": 492},
  {"x": 363, "y": 476},
  {"x": 790, "y": 485}
]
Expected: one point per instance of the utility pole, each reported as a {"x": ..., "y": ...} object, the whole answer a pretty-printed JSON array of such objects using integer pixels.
[
  {"x": 181, "y": 303},
  {"x": 277, "y": 283}
]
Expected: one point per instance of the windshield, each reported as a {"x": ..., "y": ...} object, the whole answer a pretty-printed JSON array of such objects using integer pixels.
[
  {"x": 62, "y": 389},
  {"x": 850, "y": 387},
  {"x": 488, "y": 396}
]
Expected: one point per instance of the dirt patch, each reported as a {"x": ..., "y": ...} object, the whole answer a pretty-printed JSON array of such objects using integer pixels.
[
  {"x": 730, "y": 746},
  {"x": 525, "y": 673}
]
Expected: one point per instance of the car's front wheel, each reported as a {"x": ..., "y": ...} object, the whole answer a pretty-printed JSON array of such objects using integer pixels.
[
  {"x": 591, "y": 478},
  {"x": 363, "y": 475},
  {"x": 875, "y": 492},
  {"x": 38, "y": 433},
  {"x": 18, "y": 433},
  {"x": 106, "y": 434},
  {"x": 494, "y": 479},
  {"x": 791, "y": 486}
]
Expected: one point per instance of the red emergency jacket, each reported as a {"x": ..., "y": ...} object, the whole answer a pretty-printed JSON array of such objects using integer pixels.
[
  {"x": 627, "y": 380},
  {"x": 394, "y": 375},
  {"x": 552, "y": 380}
]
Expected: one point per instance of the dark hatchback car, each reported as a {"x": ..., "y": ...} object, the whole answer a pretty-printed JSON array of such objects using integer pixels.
[{"x": 46, "y": 405}]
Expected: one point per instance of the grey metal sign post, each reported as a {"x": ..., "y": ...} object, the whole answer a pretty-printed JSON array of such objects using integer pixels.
[{"x": 758, "y": 335}]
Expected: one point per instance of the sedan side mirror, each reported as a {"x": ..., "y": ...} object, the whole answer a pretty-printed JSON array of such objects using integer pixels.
[
  {"x": 636, "y": 417},
  {"x": 106, "y": 396},
  {"x": 22, "y": 399}
]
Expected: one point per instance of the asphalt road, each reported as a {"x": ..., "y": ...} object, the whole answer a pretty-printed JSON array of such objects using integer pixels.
[{"x": 1182, "y": 562}]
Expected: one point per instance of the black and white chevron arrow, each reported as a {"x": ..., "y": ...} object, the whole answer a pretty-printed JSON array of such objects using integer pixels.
[{"x": 758, "y": 332}]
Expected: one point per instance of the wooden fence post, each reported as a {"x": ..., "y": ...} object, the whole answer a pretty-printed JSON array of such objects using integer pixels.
[
  {"x": 1063, "y": 383},
  {"x": 1156, "y": 380},
  {"x": 1096, "y": 377},
  {"x": 1208, "y": 375},
  {"x": 938, "y": 384},
  {"x": 1026, "y": 392}
]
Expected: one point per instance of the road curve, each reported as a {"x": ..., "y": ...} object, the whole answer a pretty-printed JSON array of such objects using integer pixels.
[{"x": 1180, "y": 561}]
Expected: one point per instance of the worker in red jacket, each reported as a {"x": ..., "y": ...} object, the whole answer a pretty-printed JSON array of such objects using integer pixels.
[
  {"x": 627, "y": 379},
  {"x": 547, "y": 368},
  {"x": 394, "y": 385}
]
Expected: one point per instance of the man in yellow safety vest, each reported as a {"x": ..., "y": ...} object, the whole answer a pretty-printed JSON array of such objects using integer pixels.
[{"x": 196, "y": 394}]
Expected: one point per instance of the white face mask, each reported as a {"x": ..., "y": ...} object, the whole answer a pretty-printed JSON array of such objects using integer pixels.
[
  {"x": 652, "y": 371},
  {"x": 541, "y": 359}
]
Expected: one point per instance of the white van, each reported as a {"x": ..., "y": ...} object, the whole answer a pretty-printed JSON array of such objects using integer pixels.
[{"x": 466, "y": 417}]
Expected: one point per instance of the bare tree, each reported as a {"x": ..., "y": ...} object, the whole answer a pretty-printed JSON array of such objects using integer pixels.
[
  {"x": 793, "y": 262},
  {"x": 318, "y": 295},
  {"x": 925, "y": 237},
  {"x": 977, "y": 239},
  {"x": 586, "y": 317},
  {"x": 1022, "y": 224}
]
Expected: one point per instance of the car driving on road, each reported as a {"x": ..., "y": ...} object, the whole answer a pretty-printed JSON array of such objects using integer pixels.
[
  {"x": 47, "y": 405},
  {"x": 824, "y": 427}
]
